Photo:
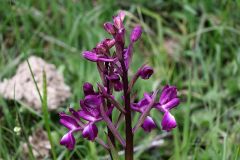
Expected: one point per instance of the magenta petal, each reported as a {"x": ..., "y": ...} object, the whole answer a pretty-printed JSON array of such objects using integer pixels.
[
  {"x": 90, "y": 132},
  {"x": 109, "y": 42},
  {"x": 85, "y": 115},
  {"x": 171, "y": 104},
  {"x": 109, "y": 27},
  {"x": 68, "y": 121},
  {"x": 91, "y": 56},
  {"x": 168, "y": 93},
  {"x": 148, "y": 124},
  {"x": 118, "y": 20},
  {"x": 168, "y": 121},
  {"x": 136, "y": 33},
  {"x": 102, "y": 59},
  {"x": 68, "y": 140},
  {"x": 92, "y": 101},
  {"x": 74, "y": 113},
  {"x": 121, "y": 14}
]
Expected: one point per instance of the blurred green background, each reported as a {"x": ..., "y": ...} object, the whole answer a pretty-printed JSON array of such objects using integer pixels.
[{"x": 192, "y": 44}]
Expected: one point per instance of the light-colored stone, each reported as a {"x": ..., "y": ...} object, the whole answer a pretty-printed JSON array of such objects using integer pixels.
[
  {"x": 25, "y": 90},
  {"x": 39, "y": 143}
]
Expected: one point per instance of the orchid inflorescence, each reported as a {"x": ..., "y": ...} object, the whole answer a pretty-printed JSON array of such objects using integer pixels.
[{"x": 98, "y": 105}]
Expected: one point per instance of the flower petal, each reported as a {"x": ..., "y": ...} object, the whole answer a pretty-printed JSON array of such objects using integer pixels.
[
  {"x": 68, "y": 140},
  {"x": 148, "y": 124},
  {"x": 168, "y": 93},
  {"x": 90, "y": 131},
  {"x": 85, "y": 115},
  {"x": 109, "y": 27},
  {"x": 171, "y": 104},
  {"x": 91, "y": 56},
  {"x": 136, "y": 33},
  {"x": 92, "y": 101},
  {"x": 68, "y": 121},
  {"x": 168, "y": 121}
]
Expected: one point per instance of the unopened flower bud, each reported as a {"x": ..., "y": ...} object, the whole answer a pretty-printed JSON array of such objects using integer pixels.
[
  {"x": 90, "y": 56},
  {"x": 101, "y": 48},
  {"x": 109, "y": 42},
  {"x": 145, "y": 72},
  {"x": 109, "y": 27},
  {"x": 136, "y": 33},
  {"x": 88, "y": 89}
]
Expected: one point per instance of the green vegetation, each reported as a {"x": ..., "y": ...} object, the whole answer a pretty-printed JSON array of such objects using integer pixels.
[{"x": 204, "y": 65}]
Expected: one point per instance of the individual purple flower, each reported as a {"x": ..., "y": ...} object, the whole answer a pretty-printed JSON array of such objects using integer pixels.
[
  {"x": 168, "y": 99},
  {"x": 141, "y": 106},
  {"x": 168, "y": 121},
  {"x": 136, "y": 33},
  {"x": 91, "y": 56},
  {"x": 145, "y": 72},
  {"x": 91, "y": 112},
  {"x": 71, "y": 123}
]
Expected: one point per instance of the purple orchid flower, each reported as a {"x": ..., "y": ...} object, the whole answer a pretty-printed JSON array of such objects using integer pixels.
[
  {"x": 96, "y": 106},
  {"x": 72, "y": 125},
  {"x": 140, "y": 107},
  {"x": 168, "y": 100}
]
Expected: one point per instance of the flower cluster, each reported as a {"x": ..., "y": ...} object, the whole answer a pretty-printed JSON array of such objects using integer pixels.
[{"x": 113, "y": 69}]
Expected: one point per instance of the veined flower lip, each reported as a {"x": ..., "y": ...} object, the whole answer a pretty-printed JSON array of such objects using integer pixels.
[
  {"x": 168, "y": 122},
  {"x": 168, "y": 93},
  {"x": 68, "y": 140},
  {"x": 90, "y": 131},
  {"x": 148, "y": 124}
]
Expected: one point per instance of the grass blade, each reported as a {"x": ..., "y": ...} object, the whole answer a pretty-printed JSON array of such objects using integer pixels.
[{"x": 46, "y": 115}]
